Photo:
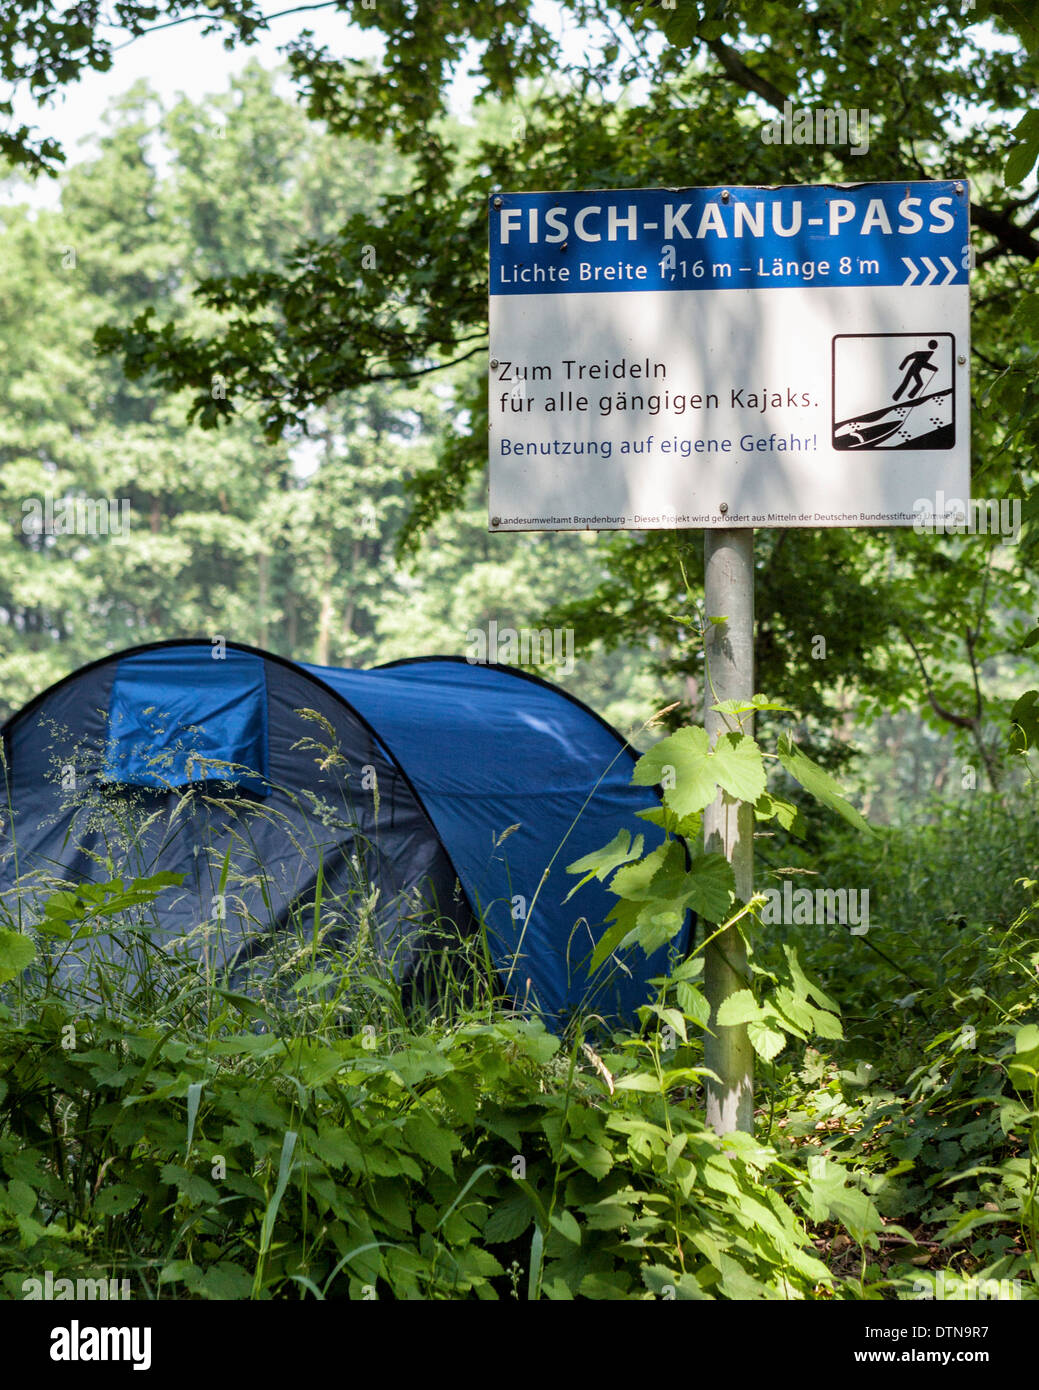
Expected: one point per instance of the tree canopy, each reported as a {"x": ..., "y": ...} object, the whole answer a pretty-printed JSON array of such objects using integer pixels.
[{"x": 394, "y": 287}]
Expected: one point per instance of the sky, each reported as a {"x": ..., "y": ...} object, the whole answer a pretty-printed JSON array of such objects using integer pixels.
[
  {"x": 180, "y": 60},
  {"x": 174, "y": 61}
]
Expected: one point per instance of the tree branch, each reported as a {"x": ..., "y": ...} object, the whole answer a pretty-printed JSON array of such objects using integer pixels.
[
  {"x": 425, "y": 371},
  {"x": 1013, "y": 238},
  {"x": 961, "y": 721},
  {"x": 213, "y": 18},
  {"x": 747, "y": 78}
]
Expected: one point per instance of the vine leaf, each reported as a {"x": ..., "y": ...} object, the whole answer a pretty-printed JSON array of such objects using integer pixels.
[{"x": 818, "y": 782}]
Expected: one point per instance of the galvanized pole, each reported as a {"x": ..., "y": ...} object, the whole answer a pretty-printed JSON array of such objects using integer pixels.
[{"x": 728, "y": 824}]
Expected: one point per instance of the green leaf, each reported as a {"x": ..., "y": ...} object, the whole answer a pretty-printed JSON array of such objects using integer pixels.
[
  {"x": 658, "y": 923},
  {"x": 827, "y": 1195},
  {"x": 194, "y": 1097},
  {"x": 1020, "y": 162},
  {"x": 660, "y": 875},
  {"x": 431, "y": 1141},
  {"x": 16, "y": 952},
  {"x": 621, "y": 850},
  {"x": 338, "y": 1149},
  {"x": 693, "y": 1004},
  {"x": 738, "y": 1283},
  {"x": 567, "y": 1226},
  {"x": 1023, "y": 157},
  {"x": 610, "y": 1213},
  {"x": 108, "y": 899},
  {"x": 689, "y": 771},
  {"x": 55, "y": 924},
  {"x": 665, "y": 1283},
  {"x": 225, "y": 1282},
  {"x": 537, "y": 1258},
  {"x": 826, "y": 1025},
  {"x": 765, "y": 1038},
  {"x": 797, "y": 1013},
  {"x": 737, "y": 766},
  {"x": 312, "y": 981},
  {"x": 673, "y": 1019},
  {"x": 1023, "y": 1067},
  {"x": 740, "y": 1007},
  {"x": 789, "y": 816},
  {"x": 689, "y": 969},
  {"x": 818, "y": 782},
  {"x": 270, "y": 1215},
  {"x": 1024, "y": 720},
  {"x": 317, "y": 1063},
  {"x": 390, "y": 1200},
  {"x": 688, "y": 827},
  {"x": 258, "y": 1044},
  {"x": 638, "y": 1081},
  {"x": 805, "y": 987},
  {"x": 460, "y": 1092},
  {"x": 115, "y": 1199},
  {"x": 249, "y": 1007},
  {"x": 801, "y": 1017},
  {"x": 710, "y": 887},
  {"x": 623, "y": 918},
  {"x": 200, "y": 1191},
  {"x": 20, "y": 1198},
  {"x": 681, "y": 763},
  {"x": 751, "y": 706},
  {"x": 177, "y": 1272},
  {"x": 593, "y": 1158},
  {"x": 509, "y": 1219}
]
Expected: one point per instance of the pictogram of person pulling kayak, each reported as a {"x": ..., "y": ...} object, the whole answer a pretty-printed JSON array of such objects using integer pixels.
[
  {"x": 868, "y": 413},
  {"x": 919, "y": 362}
]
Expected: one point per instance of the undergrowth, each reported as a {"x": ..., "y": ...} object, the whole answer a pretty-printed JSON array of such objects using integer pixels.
[{"x": 331, "y": 1133}]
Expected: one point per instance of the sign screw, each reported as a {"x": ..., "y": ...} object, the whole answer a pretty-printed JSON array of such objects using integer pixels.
[
  {"x": 497, "y": 202},
  {"x": 723, "y": 508},
  {"x": 495, "y": 520},
  {"x": 494, "y": 363},
  {"x": 961, "y": 360},
  {"x": 725, "y": 195},
  {"x": 959, "y": 188}
]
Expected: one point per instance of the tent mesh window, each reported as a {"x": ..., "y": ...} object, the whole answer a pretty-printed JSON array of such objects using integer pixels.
[{"x": 212, "y": 728}]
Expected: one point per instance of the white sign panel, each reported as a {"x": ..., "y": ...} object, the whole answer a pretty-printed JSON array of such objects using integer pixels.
[{"x": 728, "y": 356}]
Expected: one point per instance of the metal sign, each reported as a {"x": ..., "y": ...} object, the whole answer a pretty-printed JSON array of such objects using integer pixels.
[{"x": 728, "y": 357}]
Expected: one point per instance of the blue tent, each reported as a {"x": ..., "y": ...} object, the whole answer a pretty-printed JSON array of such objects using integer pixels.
[{"x": 448, "y": 787}]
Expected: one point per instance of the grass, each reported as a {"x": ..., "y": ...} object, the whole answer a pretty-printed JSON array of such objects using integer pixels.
[{"x": 319, "y": 1128}]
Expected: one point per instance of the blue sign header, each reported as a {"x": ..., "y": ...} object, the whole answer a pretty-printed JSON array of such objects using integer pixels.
[{"x": 664, "y": 239}]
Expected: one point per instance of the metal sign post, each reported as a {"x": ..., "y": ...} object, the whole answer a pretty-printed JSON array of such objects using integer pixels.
[
  {"x": 724, "y": 359},
  {"x": 729, "y": 825}
]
